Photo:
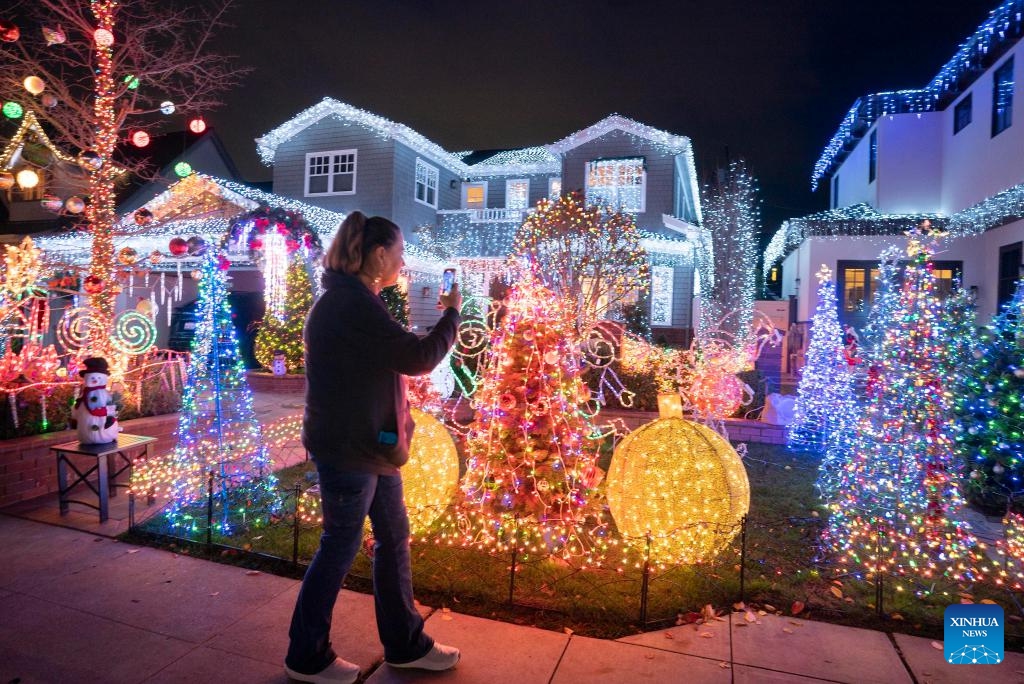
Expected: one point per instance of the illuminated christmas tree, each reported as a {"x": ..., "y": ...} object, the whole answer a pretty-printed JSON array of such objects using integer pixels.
[
  {"x": 531, "y": 460},
  {"x": 218, "y": 431},
  {"x": 898, "y": 495},
  {"x": 825, "y": 405},
  {"x": 397, "y": 301},
  {"x": 285, "y": 333},
  {"x": 990, "y": 414}
]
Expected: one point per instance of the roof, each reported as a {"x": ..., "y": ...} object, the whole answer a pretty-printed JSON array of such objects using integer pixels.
[
  {"x": 29, "y": 122},
  {"x": 668, "y": 142},
  {"x": 975, "y": 55}
]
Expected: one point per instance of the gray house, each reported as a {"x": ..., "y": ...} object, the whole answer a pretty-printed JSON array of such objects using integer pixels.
[{"x": 342, "y": 158}]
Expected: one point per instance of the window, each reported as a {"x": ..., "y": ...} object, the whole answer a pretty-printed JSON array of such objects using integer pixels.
[
  {"x": 661, "y": 294},
  {"x": 1010, "y": 261},
  {"x": 331, "y": 173},
  {"x": 554, "y": 187},
  {"x": 1002, "y": 97},
  {"x": 517, "y": 193},
  {"x": 474, "y": 195},
  {"x": 835, "y": 191},
  {"x": 873, "y": 156},
  {"x": 426, "y": 183},
  {"x": 618, "y": 183},
  {"x": 857, "y": 285},
  {"x": 962, "y": 114}
]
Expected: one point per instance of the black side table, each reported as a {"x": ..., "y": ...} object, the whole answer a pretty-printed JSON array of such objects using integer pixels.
[{"x": 111, "y": 460}]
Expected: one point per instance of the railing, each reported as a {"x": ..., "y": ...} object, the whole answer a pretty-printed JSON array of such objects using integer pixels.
[{"x": 489, "y": 215}]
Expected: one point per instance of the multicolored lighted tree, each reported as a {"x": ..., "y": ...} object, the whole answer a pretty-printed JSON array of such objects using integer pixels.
[
  {"x": 285, "y": 333},
  {"x": 826, "y": 405},
  {"x": 898, "y": 494},
  {"x": 218, "y": 433},
  {"x": 990, "y": 412},
  {"x": 118, "y": 67},
  {"x": 531, "y": 461}
]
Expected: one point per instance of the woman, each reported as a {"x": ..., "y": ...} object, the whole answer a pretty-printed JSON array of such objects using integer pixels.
[{"x": 357, "y": 429}]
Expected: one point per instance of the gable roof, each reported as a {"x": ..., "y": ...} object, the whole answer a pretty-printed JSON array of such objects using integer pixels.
[
  {"x": 29, "y": 122},
  {"x": 668, "y": 142},
  {"x": 268, "y": 143},
  {"x": 522, "y": 161}
]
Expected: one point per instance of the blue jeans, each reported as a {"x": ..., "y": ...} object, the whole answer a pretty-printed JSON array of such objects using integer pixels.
[{"x": 346, "y": 499}]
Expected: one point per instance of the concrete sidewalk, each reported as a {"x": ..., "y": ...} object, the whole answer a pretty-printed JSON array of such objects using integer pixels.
[{"x": 75, "y": 607}]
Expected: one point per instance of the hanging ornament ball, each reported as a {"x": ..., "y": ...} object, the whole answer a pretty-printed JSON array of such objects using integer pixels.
[
  {"x": 178, "y": 246},
  {"x": 183, "y": 169},
  {"x": 90, "y": 160},
  {"x": 34, "y": 84},
  {"x": 52, "y": 203},
  {"x": 13, "y": 110},
  {"x": 93, "y": 284},
  {"x": 132, "y": 81},
  {"x": 975, "y": 474},
  {"x": 684, "y": 483},
  {"x": 54, "y": 36},
  {"x": 223, "y": 263},
  {"x": 27, "y": 178},
  {"x": 127, "y": 256},
  {"x": 155, "y": 257},
  {"x": 139, "y": 138},
  {"x": 1019, "y": 372},
  {"x": 998, "y": 469},
  {"x": 9, "y": 31},
  {"x": 167, "y": 107},
  {"x": 49, "y": 100},
  {"x": 103, "y": 37},
  {"x": 196, "y": 246},
  {"x": 145, "y": 307},
  {"x": 76, "y": 205},
  {"x": 143, "y": 217},
  {"x": 431, "y": 477},
  {"x": 197, "y": 125},
  {"x": 6, "y": 180}
]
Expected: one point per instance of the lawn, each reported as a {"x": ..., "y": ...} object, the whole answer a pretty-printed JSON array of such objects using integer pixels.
[{"x": 783, "y": 572}]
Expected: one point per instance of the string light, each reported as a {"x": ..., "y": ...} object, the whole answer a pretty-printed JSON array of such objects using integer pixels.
[{"x": 283, "y": 331}]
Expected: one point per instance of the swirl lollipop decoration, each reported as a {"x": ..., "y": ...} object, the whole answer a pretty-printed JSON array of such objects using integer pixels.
[
  {"x": 134, "y": 333},
  {"x": 73, "y": 328}
]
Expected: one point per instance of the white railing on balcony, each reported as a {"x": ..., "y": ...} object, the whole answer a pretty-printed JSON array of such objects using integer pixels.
[{"x": 496, "y": 215}]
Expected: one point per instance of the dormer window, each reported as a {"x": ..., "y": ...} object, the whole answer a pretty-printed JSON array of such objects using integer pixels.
[{"x": 617, "y": 183}]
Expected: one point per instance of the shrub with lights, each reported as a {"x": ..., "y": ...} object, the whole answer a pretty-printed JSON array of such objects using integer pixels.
[
  {"x": 990, "y": 413},
  {"x": 898, "y": 494}
]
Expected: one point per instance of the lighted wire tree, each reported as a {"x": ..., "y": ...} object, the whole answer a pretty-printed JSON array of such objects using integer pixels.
[
  {"x": 531, "y": 469},
  {"x": 898, "y": 495},
  {"x": 990, "y": 412},
  {"x": 93, "y": 70},
  {"x": 285, "y": 333},
  {"x": 218, "y": 432},
  {"x": 826, "y": 403}
]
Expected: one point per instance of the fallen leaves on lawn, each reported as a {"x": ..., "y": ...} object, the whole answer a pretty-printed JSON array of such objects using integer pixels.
[
  {"x": 797, "y": 607},
  {"x": 937, "y": 645}
]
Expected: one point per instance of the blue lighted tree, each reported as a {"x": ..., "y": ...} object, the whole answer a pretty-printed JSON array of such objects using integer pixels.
[
  {"x": 218, "y": 431},
  {"x": 825, "y": 405}
]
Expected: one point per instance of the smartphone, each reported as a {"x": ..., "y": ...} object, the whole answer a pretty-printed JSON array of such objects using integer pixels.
[{"x": 447, "y": 281}]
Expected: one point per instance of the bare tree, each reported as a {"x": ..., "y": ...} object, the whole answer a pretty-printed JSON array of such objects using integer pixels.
[
  {"x": 109, "y": 67},
  {"x": 587, "y": 254}
]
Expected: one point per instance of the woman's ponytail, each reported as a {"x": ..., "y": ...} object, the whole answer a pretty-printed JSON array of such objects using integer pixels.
[{"x": 356, "y": 236}]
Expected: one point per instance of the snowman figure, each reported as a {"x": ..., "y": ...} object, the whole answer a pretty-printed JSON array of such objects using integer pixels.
[
  {"x": 280, "y": 365},
  {"x": 94, "y": 413}
]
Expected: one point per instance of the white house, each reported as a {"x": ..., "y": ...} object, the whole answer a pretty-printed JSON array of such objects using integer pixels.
[{"x": 952, "y": 152}]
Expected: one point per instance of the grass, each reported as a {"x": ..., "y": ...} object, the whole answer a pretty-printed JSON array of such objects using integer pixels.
[{"x": 782, "y": 572}]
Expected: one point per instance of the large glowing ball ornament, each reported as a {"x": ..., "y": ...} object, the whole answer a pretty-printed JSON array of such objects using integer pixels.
[
  {"x": 683, "y": 483},
  {"x": 167, "y": 107},
  {"x": 27, "y": 178},
  {"x": 431, "y": 477},
  {"x": 178, "y": 246},
  {"x": 9, "y": 31},
  {"x": 718, "y": 394},
  {"x": 13, "y": 110},
  {"x": 103, "y": 37},
  {"x": 139, "y": 138},
  {"x": 183, "y": 169},
  {"x": 75, "y": 205},
  {"x": 197, "y": 125},
  {"x": 34, "y": 84}
]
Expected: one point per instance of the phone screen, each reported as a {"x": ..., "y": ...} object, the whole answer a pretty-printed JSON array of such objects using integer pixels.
[{"x": 447, "y": 280}]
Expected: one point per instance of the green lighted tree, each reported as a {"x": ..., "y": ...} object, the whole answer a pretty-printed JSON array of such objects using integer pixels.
[{"x": 285, "y": 334}]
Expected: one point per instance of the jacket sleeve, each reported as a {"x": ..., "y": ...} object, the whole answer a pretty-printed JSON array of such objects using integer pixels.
[{"x": 405, "y": 352}]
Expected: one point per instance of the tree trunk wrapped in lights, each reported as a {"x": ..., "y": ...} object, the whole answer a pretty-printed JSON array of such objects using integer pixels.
[{"x": 531, "y": 458}]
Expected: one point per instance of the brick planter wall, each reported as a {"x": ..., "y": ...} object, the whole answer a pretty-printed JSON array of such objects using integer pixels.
[
  {"x": 260, "y": 381},
  {"x": 28, "y": 469}
]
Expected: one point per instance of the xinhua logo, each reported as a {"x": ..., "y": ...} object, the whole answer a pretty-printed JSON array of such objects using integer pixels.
[{"x": 974, "y": 634}]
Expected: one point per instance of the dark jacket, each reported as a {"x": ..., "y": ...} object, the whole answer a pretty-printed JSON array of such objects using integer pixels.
[{"x": 357, "y": 413}]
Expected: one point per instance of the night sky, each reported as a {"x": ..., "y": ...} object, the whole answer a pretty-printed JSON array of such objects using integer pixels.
[{"x": 768, "y": 80}]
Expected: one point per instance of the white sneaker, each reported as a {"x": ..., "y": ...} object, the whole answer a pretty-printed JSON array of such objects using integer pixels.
[
  {"x": 440, "y": 657},
  {"x": 338, "y": 672}
]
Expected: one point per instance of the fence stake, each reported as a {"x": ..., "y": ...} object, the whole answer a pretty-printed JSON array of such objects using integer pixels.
[
  {"x": 743, "y": 559},
  {"x": 209, "y": 511},
  {"x": 515, "y": 555},
  {"x": 295, "y": 528},
  {"x": 645, "y": 582},
  {"x": 879, "y": 611},
  {"x": 131, "y": 511}
]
